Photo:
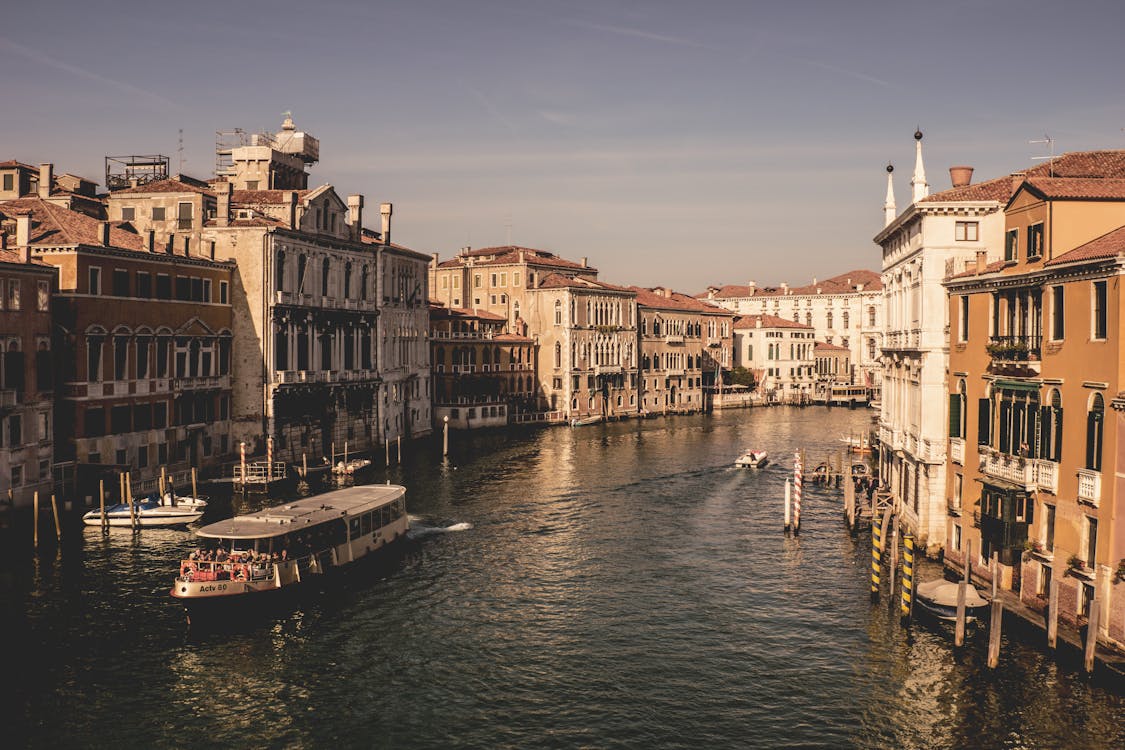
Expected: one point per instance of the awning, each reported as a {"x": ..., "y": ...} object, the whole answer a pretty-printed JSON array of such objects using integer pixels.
[{"x": 1015, "y": 385}]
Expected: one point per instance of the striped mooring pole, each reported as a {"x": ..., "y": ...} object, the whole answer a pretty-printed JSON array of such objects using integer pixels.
[
  {"x": 796, "y": 492},
  {"x": 242, "y": 461},
  {"x": 876, "y": 555},
  {"x": 269, "y": 459},
  {"x": 907, "y": 605}
]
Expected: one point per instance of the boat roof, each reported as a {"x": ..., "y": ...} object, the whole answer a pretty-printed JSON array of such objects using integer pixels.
[
  {"x": 944, "y": 593},
  {"x": 304, "y": 514}
]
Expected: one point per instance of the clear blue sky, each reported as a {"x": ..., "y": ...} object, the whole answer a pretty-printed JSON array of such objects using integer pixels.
[{"x": 679, "y": 143}]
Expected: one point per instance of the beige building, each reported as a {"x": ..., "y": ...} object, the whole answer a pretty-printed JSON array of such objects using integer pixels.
[{"x": 780, "y": 353}]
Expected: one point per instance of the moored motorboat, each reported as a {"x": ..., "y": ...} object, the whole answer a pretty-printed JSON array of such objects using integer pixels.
[
  {"x": 280, "y": 547},
  {"x": 351, "y": 467},
  {"x": 752, "y": 460},
  {"x": 939, "y": 598},
  {"x": 149, "y": 513}
]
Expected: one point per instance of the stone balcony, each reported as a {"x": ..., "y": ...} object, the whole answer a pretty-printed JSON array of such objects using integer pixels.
[
  {"x": 1046, "y": 475},
  {"x": 1089, "y": 487},
  {"x": 1013, "y": 469},
  {"x": 957, "y": 450}
]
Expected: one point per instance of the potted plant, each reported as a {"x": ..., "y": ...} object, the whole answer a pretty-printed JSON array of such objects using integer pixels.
[{"x": 1076, "y": 562}]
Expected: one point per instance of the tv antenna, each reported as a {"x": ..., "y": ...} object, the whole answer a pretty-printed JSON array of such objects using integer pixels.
[
  {"x": 1051, "y": 149},
  {"x": 180, "y": 151}
]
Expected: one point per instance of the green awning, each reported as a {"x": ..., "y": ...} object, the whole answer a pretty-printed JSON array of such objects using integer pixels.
[{"x": 1016, "y": 385}]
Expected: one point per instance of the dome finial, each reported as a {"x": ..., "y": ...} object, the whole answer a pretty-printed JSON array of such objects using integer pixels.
[{"x": 918, "y": 133}]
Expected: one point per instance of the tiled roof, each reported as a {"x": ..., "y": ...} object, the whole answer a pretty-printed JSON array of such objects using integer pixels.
[
  {"x": 13, "y": 256},
  {"x": 677, "y": 301},
  {"x": 464, "y": 312},
  {"x": 841, "y": 284},
  {"x": 180, "y": 184},
  {"x": 507, "y": 255},
  {"x": 563, "y": 281},
  {"x": 13, "y": 163},
  {"x": 991, "y": 267},
  {"x": 1101, "y": 165},
  {"x": 999, "y": 189},
  {"x": 263, "y": 197},
  {"x": 768, "y": 321},
  {"x": 1109, "y": 245},
  {"x": 53, "y": 225},
  {"x": 1078, "y": 187},
  {"x": 824, "y": 346}
]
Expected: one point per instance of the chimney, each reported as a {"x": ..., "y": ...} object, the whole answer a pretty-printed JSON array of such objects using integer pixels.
[
  {"x": 465, "y": 250},
  {"x": 23, "y": 230},
  {"x": 585, "y": 262},
  {"x": 187, "y": 245},
  {"x": 222, "y": 210},
  {"x": 758, "y": 322},
  {"x": 785, "y": 287},
  {"x": 667, "y": 292},
  {"x": 355, "y": 216},
  {"x": 960, "y": 176},
  {"x": 814, "y": 281},
  {"x": 436, "y": 261},
  {"x": 291, "y": 208},
  {"x": 982, "y": 260},
  {"x": 150, "y": 239},
  {"x": 1017, "y": 180},
  {"x": 753, "y": 285},
  {"x": 211, "y": 249},
  {"x": 103, "y": 233},
  {"x": 46, "y": 177},
  {"x": 385, "y": 211}
]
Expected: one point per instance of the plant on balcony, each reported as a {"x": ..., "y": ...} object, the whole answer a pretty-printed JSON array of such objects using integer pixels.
[
  {"x": 1120, "y": 576},
  {"x": 1033, "y": 545},
  {"x": 1012, "y": 351},
  {"x": 1076, "y": 563}
]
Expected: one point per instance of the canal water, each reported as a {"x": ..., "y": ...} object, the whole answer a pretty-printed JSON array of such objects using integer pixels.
[{"x": 610, "y": 586}]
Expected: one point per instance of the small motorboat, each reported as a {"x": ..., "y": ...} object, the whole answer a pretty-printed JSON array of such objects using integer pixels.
[
  {"x": 351, "y": 467},
  {"x": 576, "y": 422},
  {"x": 939, "y": 598},
  {"x": 180, "y": 501},
  {"x": 150, "y": 513},
  {"x": 752, "y": 460}
]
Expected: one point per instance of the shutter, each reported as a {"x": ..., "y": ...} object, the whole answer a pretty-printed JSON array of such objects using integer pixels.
[
  {"x": 1043, "y": 447},
  {"x": 955, "y": 415},
  {"x": 984, "y": 421},
  {"x": 1032, "y": 431},
  {"x": 1005, "y": 445},
  {"x": 1058, "y": 443},
  {"x": 1091, "y": 427}
]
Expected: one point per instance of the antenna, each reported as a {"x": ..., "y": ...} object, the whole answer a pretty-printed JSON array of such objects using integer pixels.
[
  {"x": 180, "y": 151},
  {"x": 1051, "y": 147}
]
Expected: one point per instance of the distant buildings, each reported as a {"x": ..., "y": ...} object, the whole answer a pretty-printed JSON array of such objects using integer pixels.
[{"x": 780, "y": 353}]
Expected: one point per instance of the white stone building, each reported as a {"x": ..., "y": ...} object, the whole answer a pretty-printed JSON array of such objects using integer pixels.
[{"x": 781, "y": 354}]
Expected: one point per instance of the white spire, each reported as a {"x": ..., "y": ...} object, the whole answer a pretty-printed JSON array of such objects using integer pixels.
[
  {"x": 889, "y": 206},
  {"x": 919, "y": 188}
]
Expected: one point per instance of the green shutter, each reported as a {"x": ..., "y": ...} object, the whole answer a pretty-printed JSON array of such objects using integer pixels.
[
  {"x": 984, "y": 421},
  {"x": 955, "y": 415}
]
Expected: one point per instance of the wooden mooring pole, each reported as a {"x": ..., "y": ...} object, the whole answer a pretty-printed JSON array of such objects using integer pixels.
[
  {"x": 1052, "y": 613},
  {"x": 995, "y": 623},
  {"x": 101, "y": 501},
  {"x": 962, "y": 590},
  {"x": 788, "y": 493},
  {"x": 876, "y": 556},
  {"x": 128, "y": 480},
  {"x": 1092, "y": 634},
  {"x": 399, "y": 449},
  {"x": 55, "y": 511},
  {"x": 907, "y": 605},
  {"x": 194, "y": 485},
  {"x": 445, "y": 436},
  {"x": 35, "y": 518}
]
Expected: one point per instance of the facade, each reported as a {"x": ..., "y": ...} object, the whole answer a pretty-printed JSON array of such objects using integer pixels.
[
  {"x": 845, "y": 310},
  {"x": 587, "y": 336},
  {"x": 670, "y": 333},
  {"x": 404, "y": 352},
  {"x": 1035, "y": 399},
  {"x": 781, "y": 354},
  {"x": 832, "y": 366},
  {"x": 142, "y": 342},
  {"x": 936, "y": 232},
  {"x": 483, "y": 376},
  {"x": 27, "y": 382}
]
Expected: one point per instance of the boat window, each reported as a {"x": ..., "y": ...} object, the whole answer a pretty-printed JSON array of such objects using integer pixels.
[
  {"x": 366, "y": 523},
  {"x": 339, "y": 533},
  {"x": 354, "y": 525},
  {"x": 384, "y": 515}
]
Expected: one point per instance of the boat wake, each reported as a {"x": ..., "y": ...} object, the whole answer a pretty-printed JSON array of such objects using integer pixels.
[{"x": 419, "y": 530}]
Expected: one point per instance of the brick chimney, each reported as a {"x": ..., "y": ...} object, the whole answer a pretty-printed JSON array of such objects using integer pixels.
[
  {"x": 222, "y": 209},
  {"x": 960, "y": 176},
  {"x": 1017, "y": 180},
  {"x": 355, "y": 216},
  {"x": 150, "y": 239},
  {"x": 585, "y": 262},
  {"x": 23, "y": 230},
  {"x": 291, "y": 208},
  {"x": 753, "y": 286},
  {"x": 103, "y": 233},
  {"x": 385, "y": 211},
  {"x": 46, "y": 177},
  {"x": 982, "y": 260}
]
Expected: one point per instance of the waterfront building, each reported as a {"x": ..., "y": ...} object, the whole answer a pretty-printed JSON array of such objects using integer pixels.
[
  {"x": 27, "y": 382},
  {"x": 670, "y": 332},
  {"x": 948, "y": 228},
  {"x": 832, "y": 366},
  {"x": 1036, "y": 409},
  {"x": 142, "y": 347},
  {"x": 845, "y": 310},
  {"x": 483, "y": 375},
  {"x": 586, "y": 331},
  {"x": 780, "y": 352}
]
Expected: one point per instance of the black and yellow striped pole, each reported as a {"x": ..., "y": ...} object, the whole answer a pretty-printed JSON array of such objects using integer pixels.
[
  {"x": 876, "y": 556},
  {"x": 907, "y": 576}
]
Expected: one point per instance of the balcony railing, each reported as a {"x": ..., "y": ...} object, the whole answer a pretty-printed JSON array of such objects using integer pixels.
[
  {"x": 1014, "y": 348},
  {"x": 957, "y": 450},
  {"x": 1047, "y": 475},
  {"x": 8, "y": 399},
  {"x": 1014, "y": 469},
  {"x": 673, "y": 339},
  {"x": 201, "y": 383},
  {"x": 1089, "y": 486}
]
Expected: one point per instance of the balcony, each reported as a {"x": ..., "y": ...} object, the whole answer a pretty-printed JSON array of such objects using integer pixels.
[
  {"x": 957, "y": 450},
  {"x": 210, "y": 382},
  {"x": 1047, "y": 475},
  {"x": 461, "y": 335},
  {"x": 1015, "y": 354},
  {"x": 8, "y": 399},
  {"x": 953, "y": 505},
  {"x": 1089, "y": 487},
  {"x": 673, "y": 339},
  {"x": 1013, "y": 469}
]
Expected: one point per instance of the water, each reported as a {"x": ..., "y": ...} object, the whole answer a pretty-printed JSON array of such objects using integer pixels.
[{"x": 608, "y": 586}]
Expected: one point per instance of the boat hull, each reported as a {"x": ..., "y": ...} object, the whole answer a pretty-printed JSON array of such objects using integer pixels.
[{"x": 146, "y": 520}]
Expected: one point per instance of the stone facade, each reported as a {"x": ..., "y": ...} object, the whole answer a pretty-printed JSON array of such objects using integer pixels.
[{"x": 780, "y": 353}]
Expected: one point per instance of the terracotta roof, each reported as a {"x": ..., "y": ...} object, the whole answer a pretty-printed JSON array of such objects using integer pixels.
[
  {"x": 768, "y": 321},
  {"x": 463, "y": 312},
  {"x": 510, "y": 255},
  {"x": 563, "y": 281},
  {"x": 13, "y": 163},
  {"x": 512, "y": 337},
  {"x": 54, "y": 225},
  {"x": 994, "y": 266},
  {"x": 1078, "y": 188},
  {"x": 835, "y": 285},
  {"x": 264, "y": 197},
  {"x": 13, "y": 256},
  {"x": 824, "y": 346},
  {"x": 999, "y": 189},
  {"x": 1111, "y": 245},
  {"x": 1101, "y": 165},
  {"x": 179, "y": 184}
]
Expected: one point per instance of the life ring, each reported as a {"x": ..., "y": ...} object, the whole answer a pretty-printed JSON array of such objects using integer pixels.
[{"x": 187, "y": 573}]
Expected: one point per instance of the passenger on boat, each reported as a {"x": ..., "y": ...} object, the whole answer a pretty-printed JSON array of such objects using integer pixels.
[{"x": 221, "y": 555}]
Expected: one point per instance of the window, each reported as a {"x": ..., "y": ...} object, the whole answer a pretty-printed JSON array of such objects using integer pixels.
[
  {"x": 1099, "y": 301},
  {"x": 144, "y": 284},
  {"x": 963, "y": 318},
  {"x": 13, "y": 294},
  {"x": 206, "y": 290},
  {"x": 492, "y": 279},
  {"x": 871, "y": 316},
  {"x": 966, "y": 231},
  {"x": 120, "y": 283},
  {"x": 17, "y": 476},
  {"x": 1034, "y": 241},
  {"x": 1091, "y": 540},
  {"x": 558, "y": 312},
  {"x": 325, "y": 275},
  {"x": 185, "y": 212},
  {"x": 829, "y": 320},
  {"x": 128, "y": 213},
  {"x": 9, "y": 182},
  {"x": 15, "y": 431},
  {"x": 476, "y": 281},
  {"x": 158, "y": 213},
  {"x": 279, "y": 271},
  {"x": 95, "y": 424},
  {"x": 43, "y": 296},
  {"x": 957, "y": 411},
  {"x": 224, "y": 288},
  {"x": 183, "y": 288},
  {"x": 163, "y": 286},
  {"x": 93, "y": 358},
  {"x": 1058, "y": 327},
  {"x": 1011, "y": 244},
  {"x": 120, "y": 357},
  {"x": 1049, "y": 527},
  {"x": 1095, "y": 419}
]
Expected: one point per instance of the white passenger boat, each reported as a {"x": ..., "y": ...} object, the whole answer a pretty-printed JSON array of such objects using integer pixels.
[
  {"x": 150, "y": 513},
  {"x": 752, "y": 460},
  {"x": 278, "y": 548}
]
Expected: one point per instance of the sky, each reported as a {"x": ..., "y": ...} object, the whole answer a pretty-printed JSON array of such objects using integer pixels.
[{"x": 672, "y": 143}]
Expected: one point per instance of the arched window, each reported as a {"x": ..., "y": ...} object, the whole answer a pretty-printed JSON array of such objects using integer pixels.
[
  {"x": 558, "y": 314},
  {"x": 279, "y": 271},
  {"x": 302, "y": 264},
  {"x": 846, "y": 319},
  {"x": 1095, "y": 420},
  {"x": 363, "y": 280},
  {"x": 347, "y": 281},
  {"x": 957, "y": 411},
  {"x": 1051, "y": 427},
  {"x": 871, "y": 349},
  {"x": 871, "y": 316},
  {"x": 325, "y": 272},
  {"x": 515, "y": 309},
  {"x": 808, "y": 318},
  {"x": 829, "y": 319},
  {"x": 558, "y": 354}
]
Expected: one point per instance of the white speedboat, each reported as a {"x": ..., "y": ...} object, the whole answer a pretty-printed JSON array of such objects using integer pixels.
[
  {"x": 276, "y": 549},
  {"x": 752, "y": 460},
  {"x": 351, "y": 467},
  {"x": 939, "y": 598},
  {"x": 149, "y": 513}
]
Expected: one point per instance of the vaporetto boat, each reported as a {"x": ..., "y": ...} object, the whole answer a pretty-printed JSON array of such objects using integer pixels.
[{"x": 279, "y": 548}]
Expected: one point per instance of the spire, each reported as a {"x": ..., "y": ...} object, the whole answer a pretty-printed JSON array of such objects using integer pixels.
[
  {"x": 889, "y": 206},
  {"x": 919, "y": 188}
]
